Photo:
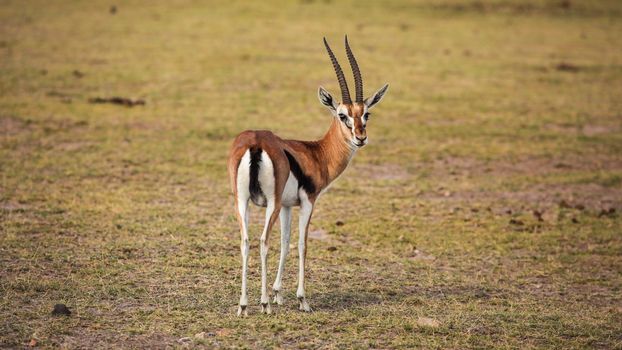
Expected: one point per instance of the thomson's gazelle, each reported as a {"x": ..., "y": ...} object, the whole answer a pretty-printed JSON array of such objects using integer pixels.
[{"x": 280, "y": 174}]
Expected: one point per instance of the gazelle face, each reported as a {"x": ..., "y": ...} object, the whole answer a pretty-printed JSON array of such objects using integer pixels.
[{"x": 353, "y": 117}]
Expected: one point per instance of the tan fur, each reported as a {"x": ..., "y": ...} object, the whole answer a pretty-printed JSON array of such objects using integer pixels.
[{"x": 323, "y": 160}]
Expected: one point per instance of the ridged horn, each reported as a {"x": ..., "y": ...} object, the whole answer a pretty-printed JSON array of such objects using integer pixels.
[
  {"x": 345, "y": 93},
  {"x": 358, "y": 80}
]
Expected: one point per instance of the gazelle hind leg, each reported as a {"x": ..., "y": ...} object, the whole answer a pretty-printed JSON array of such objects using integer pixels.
[
  {"x": 267, "y": 182},
  {"x": 242, "y": 196},
  {"x": 244, "y": 249},
  {"x": 271, "y": 214},
  {"x": 286, "y": 223},
  {"x": 306, "y": 209}
]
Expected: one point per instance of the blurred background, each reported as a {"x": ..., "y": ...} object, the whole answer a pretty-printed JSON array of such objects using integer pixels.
[{"x": 483, "y": 213}]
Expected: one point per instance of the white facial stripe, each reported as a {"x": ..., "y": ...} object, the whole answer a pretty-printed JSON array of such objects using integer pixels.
[{"x": 350, "y": 121}]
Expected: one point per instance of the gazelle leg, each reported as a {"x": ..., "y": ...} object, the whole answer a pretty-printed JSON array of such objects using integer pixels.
[
  {"x": 272, "y": 212},
  {"x": 286, "y": 223},
  {"x": 243, "y": 214},
  {"x": 306, "y": 209}
]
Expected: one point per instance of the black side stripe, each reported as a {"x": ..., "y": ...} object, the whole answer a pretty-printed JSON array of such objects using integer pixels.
[
  {"x": 253, "y": 183},
  {"x": 304, "y": 181}
]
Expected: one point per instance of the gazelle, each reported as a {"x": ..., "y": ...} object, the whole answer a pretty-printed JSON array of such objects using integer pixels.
[{"x": 280, "y": 174}]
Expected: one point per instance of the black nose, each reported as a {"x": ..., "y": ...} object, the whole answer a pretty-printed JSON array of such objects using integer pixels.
[{"x": 361, "y": 139}]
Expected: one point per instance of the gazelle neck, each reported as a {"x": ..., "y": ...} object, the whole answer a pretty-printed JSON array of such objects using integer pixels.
[{"x": 337, "y": 150}]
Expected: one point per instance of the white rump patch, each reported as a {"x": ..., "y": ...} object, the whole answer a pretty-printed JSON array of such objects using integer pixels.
[{"x": 244, "y": 179}]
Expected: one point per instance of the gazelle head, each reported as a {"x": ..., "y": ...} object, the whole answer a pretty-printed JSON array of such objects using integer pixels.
[{"x": 353, "y": 116}]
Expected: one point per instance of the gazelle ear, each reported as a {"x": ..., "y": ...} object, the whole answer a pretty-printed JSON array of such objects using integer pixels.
[
  {"x": 327, "y": 99},
  {"x": 375, "y": 98}
]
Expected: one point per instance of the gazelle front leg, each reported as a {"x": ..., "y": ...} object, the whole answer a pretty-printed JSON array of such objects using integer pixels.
[
  {"x": 286, "y": 223},
  {"x": 306, "y": 209}
]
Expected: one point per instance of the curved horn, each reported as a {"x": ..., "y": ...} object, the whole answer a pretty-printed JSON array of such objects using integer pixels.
[
  {"x": 358, "y": 80},
  {"x": 345, "y": 93}
]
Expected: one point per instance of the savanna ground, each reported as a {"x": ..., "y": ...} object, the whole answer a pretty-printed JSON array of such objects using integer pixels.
[{"x": 483, "y": 213}]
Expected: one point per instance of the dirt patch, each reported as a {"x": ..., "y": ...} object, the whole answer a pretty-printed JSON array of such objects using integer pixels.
[
  {"x": 319, "y": 234},
  {"x": 567, "y": 67},
  {"x": 73, "y": 146},
  {"x": 522, "y": 166},
  {"x": 116, "y": 100},
  {"x": 88, "y": 338},
  {"x": 381, "y": 171},
  {"x": 595, "y": 130},
  {"x": 590, "y": 129},
  {"x": 10, "y": 125},
  {"x": 11, "y": 207},
  {"x": 592, "y": 197},
  {"x": 561, "y": 7}
]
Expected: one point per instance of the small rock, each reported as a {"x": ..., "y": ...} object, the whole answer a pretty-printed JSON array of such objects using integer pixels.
[
  {"x": 184, "y": 340},
  {"x": 564, "y": 204},
  {"x": 339, "y": 223},
  {"x": 562, "y": 166},
  {"x": 61, "y": 310},
  {"x": 516, "y": 222},
  {"x": 565, "y": 4},
  {"x": 32, "y": 343},
  {"x": 574, "y": 220},
  {"x": 538, "y": 215},
  {"x": 428, "y": 322},
  {"x": 331, "y": 248},
  {"x": 567, "y": 67},
  {"x": 607, "y": 212},
  {"x": 223, "y": 332},
  {"x": 200, "y": 335},
  {"x": 419, "y": 255}
]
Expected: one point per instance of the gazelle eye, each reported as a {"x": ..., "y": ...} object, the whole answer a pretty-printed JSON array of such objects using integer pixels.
[
  {"x": 344, "y": 119},
  {"x": 366, "y": 116}
]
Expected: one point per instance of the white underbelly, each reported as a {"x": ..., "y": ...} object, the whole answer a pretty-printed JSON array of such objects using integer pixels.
[{"x": 290, "y": 196}]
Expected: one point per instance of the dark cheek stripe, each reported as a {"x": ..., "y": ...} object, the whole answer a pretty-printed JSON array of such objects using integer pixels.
[{"x": 304, "y": 181}]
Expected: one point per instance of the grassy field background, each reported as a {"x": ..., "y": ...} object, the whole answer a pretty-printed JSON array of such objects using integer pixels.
[{"x": 483, "y": 213}]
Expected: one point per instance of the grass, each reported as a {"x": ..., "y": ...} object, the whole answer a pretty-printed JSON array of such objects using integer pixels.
[{"x": 487, "y": 201}]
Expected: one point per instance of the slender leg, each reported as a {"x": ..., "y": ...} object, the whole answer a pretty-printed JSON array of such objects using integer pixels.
[
  {"x": 286, "y": 223},
  {"x": 272, "y": 213},
  {"x": 306, "y": 209},
  {"x": 243, "y": 214}
]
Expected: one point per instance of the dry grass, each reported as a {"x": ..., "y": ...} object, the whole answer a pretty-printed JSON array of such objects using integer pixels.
[{"x": 484, "y": 213}]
